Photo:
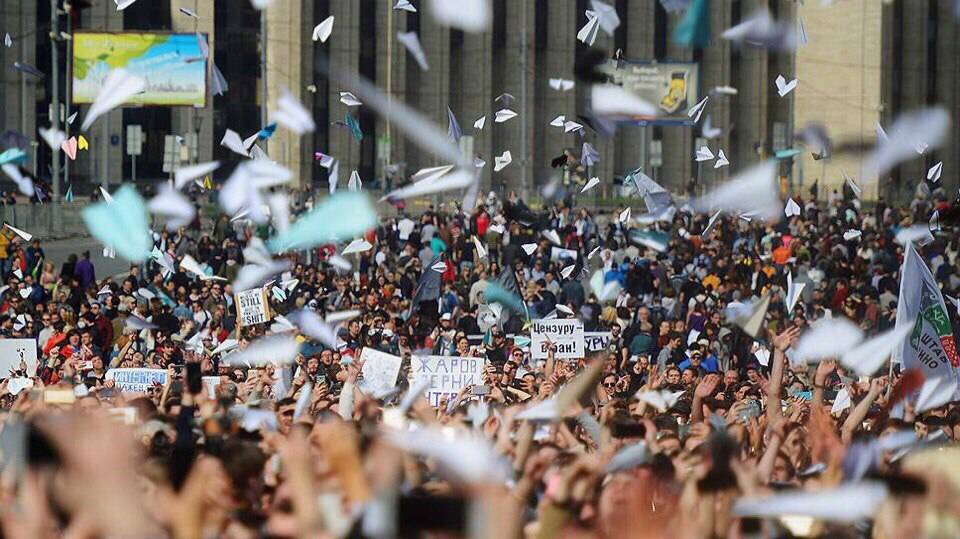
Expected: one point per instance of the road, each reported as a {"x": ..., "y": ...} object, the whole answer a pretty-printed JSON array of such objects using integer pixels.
[{"x": 58, "y": 250}]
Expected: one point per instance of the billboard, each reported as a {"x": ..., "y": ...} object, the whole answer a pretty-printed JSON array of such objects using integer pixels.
[
  {"x": 172, "y": 64},
  {"x": 673, "y": 87}
]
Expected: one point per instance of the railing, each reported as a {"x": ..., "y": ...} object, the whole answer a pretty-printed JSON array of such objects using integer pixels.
[{"x": 46, "y": 221}]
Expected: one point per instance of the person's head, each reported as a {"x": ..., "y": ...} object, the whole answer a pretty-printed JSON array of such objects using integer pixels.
[
  {"x": 730, "y": 377},
  {"x": 674, "y": 340},
  {"x": 673, "y": 376}
]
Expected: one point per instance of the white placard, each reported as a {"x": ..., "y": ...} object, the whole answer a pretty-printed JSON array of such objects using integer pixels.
[
  {"x": 446, "y": 375},
  {"x": 595, "y": 341},
  {"x": 252, "y": 307},
  {"x": 380, "y": 370},
  {"x": 566, "y": 334},
  {"x": 211, "y": 383},
  {"x": 13, "y": 351},
  {"x": 137, "y": 380}
]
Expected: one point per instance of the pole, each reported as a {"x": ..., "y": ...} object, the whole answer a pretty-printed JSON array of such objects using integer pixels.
[
  {"x": 55, "y": 90},
  {"x": 23, "y": 76},
  {"x": 69, "y": 90},
  {"x": 263, "y": 67},
  {"x": 133, "y": 166},
  {"x": 523, "y": 106}
]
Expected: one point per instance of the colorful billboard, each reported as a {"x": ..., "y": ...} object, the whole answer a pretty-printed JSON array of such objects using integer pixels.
[
  {"x": 672, "y": 87},
  {"x": 172, "y": 64}
]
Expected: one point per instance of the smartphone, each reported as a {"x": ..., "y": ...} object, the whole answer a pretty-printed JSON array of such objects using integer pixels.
[
  {"x": 194, "y": 379},
  {"x": 480, "y": 390},
  {"x": 59, "y": 396},
  {"x": 417, "y": 514},
  {"x": 752, "y": 409}
]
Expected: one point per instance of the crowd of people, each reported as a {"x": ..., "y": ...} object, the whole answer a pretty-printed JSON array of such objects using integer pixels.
[{"x": 678, "y": 419}]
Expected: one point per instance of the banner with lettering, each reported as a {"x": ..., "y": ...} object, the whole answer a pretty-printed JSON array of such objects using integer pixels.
[
  {"x": 252, "y": 307},
  {"x": 931, "y": 346},
  {"x": 566, "y": 334},
  {"x": 136, "y": 380},
  {"x": 446, "y": 375}
]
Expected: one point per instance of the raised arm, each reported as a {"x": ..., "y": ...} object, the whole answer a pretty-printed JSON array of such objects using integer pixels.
[{"x": 780, "y": 344}]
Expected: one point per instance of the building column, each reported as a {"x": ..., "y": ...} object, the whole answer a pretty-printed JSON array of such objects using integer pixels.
[
  {"x": 948, "y": 62},
  {"x": 434, "y": 87},
  {"x": 104, "y": 159},
  {"x": 391, "y": 78},
  {"x": 285, "y": 41},
  {"x": 186, "y": 120},
  {"x": 678, "y": 153},
  {"x": 561, "y": 47},
  {"x": 639, "y": 22},
  {"x": 477, "y": 98},
  {"x": 19, "y": 93},
  {"x": 520, "y": 20},
  {"x": 344, "y": 54},
  {"x": 715, "y": 71}
]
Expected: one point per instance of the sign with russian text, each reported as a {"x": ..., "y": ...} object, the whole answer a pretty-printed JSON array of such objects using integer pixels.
[
  {"x": 136, "y": 380},
  {"x": 566, "y": 334},
  {"x": 446, "y": 375},
  {"x": 252, "y": 307}
]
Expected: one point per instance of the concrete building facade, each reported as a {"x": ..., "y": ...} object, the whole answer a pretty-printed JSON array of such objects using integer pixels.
[{"x": 860, "y": 66}]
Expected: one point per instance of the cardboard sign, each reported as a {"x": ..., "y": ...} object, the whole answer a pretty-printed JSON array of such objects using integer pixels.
[
  {"x": 14, "y": 351},
  {"x": 252, "y": 307},
  {"x": 380, "y": 370},
  {"x": 136, "y": 380},
  {"x": 446, "y": 375},
  {"x": 566, "y": 334},
  {"x": 595, "y": 341}
]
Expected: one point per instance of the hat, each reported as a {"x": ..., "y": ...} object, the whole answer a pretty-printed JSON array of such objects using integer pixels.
[
  {"x": 703, "y": 342},
  {"x": 445, "y": 316}
]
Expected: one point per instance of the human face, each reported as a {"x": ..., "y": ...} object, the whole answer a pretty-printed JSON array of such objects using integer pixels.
[{"x": 673, "y": 376}]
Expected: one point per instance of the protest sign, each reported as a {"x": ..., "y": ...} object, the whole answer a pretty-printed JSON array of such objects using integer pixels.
[
  {"x": 380, "y": 370},
  {"x": 15, "y": 351},
  {"x": 446, "y": 374},
  {"x": 136, "y": 380},
  {"x": 566, "y": 334},
  {"x": 595, "y": 341},
  {"x": 252, "y": 307}
]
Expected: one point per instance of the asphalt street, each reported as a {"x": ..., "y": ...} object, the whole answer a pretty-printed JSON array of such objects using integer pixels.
[{"x": 57, "y": 252}]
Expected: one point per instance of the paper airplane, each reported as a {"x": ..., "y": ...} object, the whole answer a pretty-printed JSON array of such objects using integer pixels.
[
  {"x": 503, "y": 115},
  {"x": 561, "y": 85},
  {"x": 25, "y": 235},
  {"x": 792, "y": 208},
  {"x": 935, "y": 171},
  {"x": 851, "y": 234},
  {"x": 749, "y": 317},
  {"x": 529, "y": 248},
  {"x": 322, "y": 31},
  {"x": 793, "y": 292},
  {"x": 356, "y": 246},
  {"x": 871, "y": 354},
  {"x": 588, "y": 34},
  {"x": 411, "y": 41},
  {"x": 697, "y": 110},
  {"x": 704, "y": 154},
  {"x": 501, "y": 161},
  {"x": 590, "y": 184},
  {"x": 826, "y": 339},
  {"x": 721, "y": 160},
  {"x": 478, "y": 125},
  {"x": 481, "y": 250},
  {"x": 559, "y": 121},
  {"x": 710, "y": 132},
  {"x": 349, "y": 99},
  {"x": 784, "y": 87},
  {"x": 405, "y": 5},
  {"x": 625, "y": 215}
]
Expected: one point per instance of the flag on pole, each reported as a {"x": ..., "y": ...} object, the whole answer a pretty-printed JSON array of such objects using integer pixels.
[{"x": 931, "y": 346}]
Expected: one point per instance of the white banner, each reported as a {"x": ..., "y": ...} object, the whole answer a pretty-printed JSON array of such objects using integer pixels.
[
  {"x": 14, "y": 351},
  {"x": 446, "y": 374},
  {"x": 595, "y": 341},
  {"x": 566, "y": 334},
  {"x": 931, "y": 346},
  {"x": 252, "y": 307},
  {"x": 380, "y": 370},
  {"x": 137, "y": 380}
]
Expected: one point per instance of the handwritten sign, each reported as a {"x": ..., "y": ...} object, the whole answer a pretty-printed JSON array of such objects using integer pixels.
[
  {"x": 15, "y": 351},
  {"x": 558, "y": 253},
  {"x": 595, "y": 341},
  {"x": 380, "y": 370},
  {"x": 446, "y": 375},
  {"x": 566, "y": 334},
  {"x": 136, "y": 380},
  {"x": 252, "y": 307}
]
